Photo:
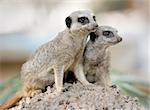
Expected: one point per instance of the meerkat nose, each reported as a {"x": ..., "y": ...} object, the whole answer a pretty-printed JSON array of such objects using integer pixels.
[
  {"x": 96, "y": 25},
  {"x": 119, "y": 39}
]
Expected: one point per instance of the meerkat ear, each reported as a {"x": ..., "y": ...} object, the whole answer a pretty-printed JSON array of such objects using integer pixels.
[
  {"x": 68, "y": 21},
  {"x": 93, "y": 36}
]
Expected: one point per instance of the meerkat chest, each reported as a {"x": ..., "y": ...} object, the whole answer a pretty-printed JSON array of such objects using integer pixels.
[
  {"x": 79, "y": 48},
  {"x": 95, "y": 58}
]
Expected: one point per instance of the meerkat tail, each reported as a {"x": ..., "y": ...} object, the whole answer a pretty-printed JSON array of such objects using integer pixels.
[{"x": 11, "y": 102}]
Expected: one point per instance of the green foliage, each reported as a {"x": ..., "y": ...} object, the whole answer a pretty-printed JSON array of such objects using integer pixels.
[{"x": 9, "y": 88}]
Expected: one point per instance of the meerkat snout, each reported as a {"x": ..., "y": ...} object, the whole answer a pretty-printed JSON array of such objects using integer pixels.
[
  {"x": 96, "y": 25},
  {"x": 110, "y": 35},
  {"x": 105, "y": 35},
  {"x": 84, "y": 21},
  {"x": 119, "y": 39}
]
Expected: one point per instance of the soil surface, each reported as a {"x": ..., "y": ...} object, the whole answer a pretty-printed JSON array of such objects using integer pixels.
[{"x": 79, "y": 97}]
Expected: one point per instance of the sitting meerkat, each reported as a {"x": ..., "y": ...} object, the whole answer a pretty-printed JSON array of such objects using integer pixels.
[
  {"x": 97, "y": 57},
  {"x": 57, "y": 56}
]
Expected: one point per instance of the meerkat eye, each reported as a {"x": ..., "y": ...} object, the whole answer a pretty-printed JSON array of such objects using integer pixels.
[
  {"x": 94, "y": 18},
  {"x": 108, "y": 34},
  {"x": 83, "y": 20}
]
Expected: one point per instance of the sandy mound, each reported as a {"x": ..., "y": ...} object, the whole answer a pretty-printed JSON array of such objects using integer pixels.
[{"x": 79, "y": 97}]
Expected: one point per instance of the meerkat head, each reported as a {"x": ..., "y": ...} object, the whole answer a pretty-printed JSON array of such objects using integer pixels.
[
  {"x": 105, "y": 35},
  {"x": 81, "y": 21}
]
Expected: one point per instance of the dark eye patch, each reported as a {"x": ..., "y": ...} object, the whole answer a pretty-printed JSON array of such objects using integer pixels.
[
  {"x": 83, "y": 20},
  {"x": 94, "y": 18},
  {"x": 93, "y": 36},
  {"x": 108, "y": 34}
]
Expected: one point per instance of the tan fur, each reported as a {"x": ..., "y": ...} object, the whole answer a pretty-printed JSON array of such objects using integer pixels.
[
  {"x": 57, "y": 56},
  {"x": 97, "y": 56}
]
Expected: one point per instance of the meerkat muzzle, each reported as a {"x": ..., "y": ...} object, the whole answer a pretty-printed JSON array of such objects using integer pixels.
[
  {"x": 119, "y": 39},
  {"x": 96, "y": 26}
]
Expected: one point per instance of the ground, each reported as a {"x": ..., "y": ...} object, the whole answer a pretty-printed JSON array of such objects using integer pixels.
[{"x": 79, "y": 97}]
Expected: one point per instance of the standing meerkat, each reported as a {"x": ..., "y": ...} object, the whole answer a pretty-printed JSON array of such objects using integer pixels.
[
  {"x": 57, "y": 56},
  {"x": 97, "y": 56}
]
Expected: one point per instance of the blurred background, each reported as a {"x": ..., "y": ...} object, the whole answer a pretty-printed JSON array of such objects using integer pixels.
[{"x": 27, "y": 24}]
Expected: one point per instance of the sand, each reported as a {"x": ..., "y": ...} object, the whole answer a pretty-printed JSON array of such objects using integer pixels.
[{"x": 79, "y": 97}]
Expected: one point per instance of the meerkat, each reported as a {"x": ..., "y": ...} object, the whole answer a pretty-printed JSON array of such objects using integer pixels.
[
  {"x": 96, "y": 58},
  {"x": 63, "y": 53}
]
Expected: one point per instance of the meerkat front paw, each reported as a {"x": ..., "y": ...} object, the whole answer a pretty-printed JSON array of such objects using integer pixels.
[
  {"x": 60, "y": 89},
  {"x": 87, "y": 83},
  {"x": 57, "y": 92},
  {"x": 33, "y": 92}
]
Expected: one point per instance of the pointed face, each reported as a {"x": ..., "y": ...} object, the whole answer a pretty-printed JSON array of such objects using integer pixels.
[
  {"x": 83, "y": 21},
  {"x": 105, "y": 35}
]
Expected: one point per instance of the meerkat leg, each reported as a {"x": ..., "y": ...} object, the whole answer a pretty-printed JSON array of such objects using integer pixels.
[
  {"x": 80, "y": 75},
  {"x": 30, "y": 91},
  {"x": 102, "y": 77},
  {"x": 91, "y": 78},
  {"x": 59, "y": 73}
]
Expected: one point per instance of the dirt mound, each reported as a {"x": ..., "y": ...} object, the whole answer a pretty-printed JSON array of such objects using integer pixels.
[{"x": 79, "y": 97}]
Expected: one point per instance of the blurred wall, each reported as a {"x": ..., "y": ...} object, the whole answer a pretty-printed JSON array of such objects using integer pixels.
[{"x": 26, "y": 24}]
